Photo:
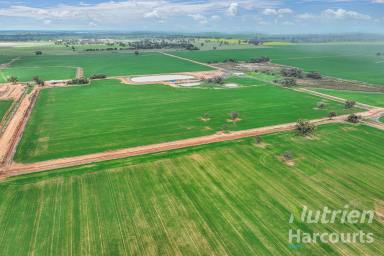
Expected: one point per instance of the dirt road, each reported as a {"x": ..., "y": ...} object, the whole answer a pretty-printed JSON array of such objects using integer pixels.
[
  {"x": 193, "y": 61},
  {"x": 12, "y": 133},
  {"x": 17, "y": 169},
  {"x": 79, "y": 72},
  {"x": 334, "y": 98}
]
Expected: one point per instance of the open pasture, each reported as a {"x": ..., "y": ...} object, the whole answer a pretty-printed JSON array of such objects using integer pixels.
[
  {"x": 370, "y": 98},
  {"x": 4, "y": 106},
  {"x": 108, "y": 115},
  {"x": 232, "y": 198},
  {"x": 354, "y": 61},
  {"x": 109, "y": 64}
]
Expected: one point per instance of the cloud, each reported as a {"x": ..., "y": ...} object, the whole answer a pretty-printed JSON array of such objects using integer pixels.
[
  {"x": 153, "y": 14},
  {"x": 199, "y": 18},
  {"x": 378, "y": 1},
  {"x": 334, "y": 14},
  {"x": 233, "y": 9},
  {"x": 270, "y": 11},
  {"x": 341, "y": 14},
  {"x": 215, "y": 17}
]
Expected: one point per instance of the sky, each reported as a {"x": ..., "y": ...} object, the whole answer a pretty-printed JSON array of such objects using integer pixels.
[{"x": 230, "y": 16}]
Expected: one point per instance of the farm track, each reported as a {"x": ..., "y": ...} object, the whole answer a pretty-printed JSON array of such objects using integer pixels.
[
  {"x": 79, "y": 72},
  {"x": 15, "y": 169},
  {"x": 190, "y": 60},
  {"x": 14, "y": 130},
  {"x": 334, "y": 98}
]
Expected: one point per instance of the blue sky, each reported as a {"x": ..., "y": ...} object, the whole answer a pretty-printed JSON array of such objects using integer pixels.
[{"x": 232, "y": 16}]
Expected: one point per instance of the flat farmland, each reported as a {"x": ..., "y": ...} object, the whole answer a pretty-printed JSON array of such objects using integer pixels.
[
  {"x": 354, "y": 61},
  {"x": 109, "y": 64},
  {"x": 370, "y": 98},
  {"x": 4, "y": 106},
  {"x": 108, "y": 115},
  {"x": 45, "y": 73},
  {"x": 232, "y": 198}
]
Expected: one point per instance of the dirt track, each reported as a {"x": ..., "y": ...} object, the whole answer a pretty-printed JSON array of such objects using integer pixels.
[
  {"x": 14, "y": 130},
  {"x": 193, "y": 61},
  {"x": 17, "y": 169},
  {"x": 334, "y": 98}
]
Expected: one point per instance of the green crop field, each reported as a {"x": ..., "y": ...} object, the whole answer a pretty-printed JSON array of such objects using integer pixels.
[
  {"x": 354, "y": 61},
  {"x": 109, "y": 64},
  {"x": 45, "y": 73},
  {"x": 232, "y": 198},
  {"x": 108, "y": 115},
  {"x": 370, "y": 98},
  {"x": 4, "y": 106}
]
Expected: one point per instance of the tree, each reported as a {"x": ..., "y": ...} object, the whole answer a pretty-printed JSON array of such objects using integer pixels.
[
  {"x": 37, "y": 80},
  {"x": 287, "y": 82},
  {"x": 216, "y": 80},
  {"x": 98, "y": 76},
  {"x": 258, "y": 140},
  {"x": 292, "y": 72},
  {"x": 287, "y": 156},
  {"x": 79, "y": 81},
  {"x": 137, "y": 53},
  {"x": 350, "y": 104},
  {"x": 331, "y": 115},
  {"x": 234, "y": 116},
  {"x": 38, "y": 52},
  {"x": 261, "y": 59},
  {"x": 353, "y": 118},
  {"x": 304, "y": 128},
  {"x": 314, "y": 75},
  {"x": 321, "y": 105},
  {"x": 12, "y": 79}
]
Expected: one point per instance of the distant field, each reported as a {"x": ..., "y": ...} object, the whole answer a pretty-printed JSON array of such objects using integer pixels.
[
  {"x": 355, "y": 61},
  {"x": 231, "y": 198},
  {"x": 45, "y": 73},
  {"x": 370, "y": 98},
  {"x": 109, "y": 64},
  {"x": 4, "y": 106},
  {"x": 108, "y": 115},
  {"x": 4, "y": 59}
]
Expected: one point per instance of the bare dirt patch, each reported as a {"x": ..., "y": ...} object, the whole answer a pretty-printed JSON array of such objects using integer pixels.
[{"x": 160, "y": 78}]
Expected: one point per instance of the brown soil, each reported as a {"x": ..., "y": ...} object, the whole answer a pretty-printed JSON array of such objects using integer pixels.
[{"x": 14, "y": 130}]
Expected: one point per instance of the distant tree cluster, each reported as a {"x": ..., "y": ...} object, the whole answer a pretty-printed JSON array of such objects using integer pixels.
[
  {"x": 216, "y": 80},
  {"x": 12, "y": 79},
  {"x": 261, "y": 59},
  {"x": 314, "y": 75},
  {"x": 37, "y": 80},
  {"x": 79, "y": 81},
  {"x": 98, "y": 76},
  {"x": 38, "y": 53},
  {"x": 286, "y": 82},
  {"x": 292, "y": 72}
]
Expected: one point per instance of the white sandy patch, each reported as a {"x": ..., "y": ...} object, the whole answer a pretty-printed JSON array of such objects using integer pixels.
[
  {"x": 160, "y": 78},
  {"x": 189, "y": 84},
  {"x": 231, "y": 85}
]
